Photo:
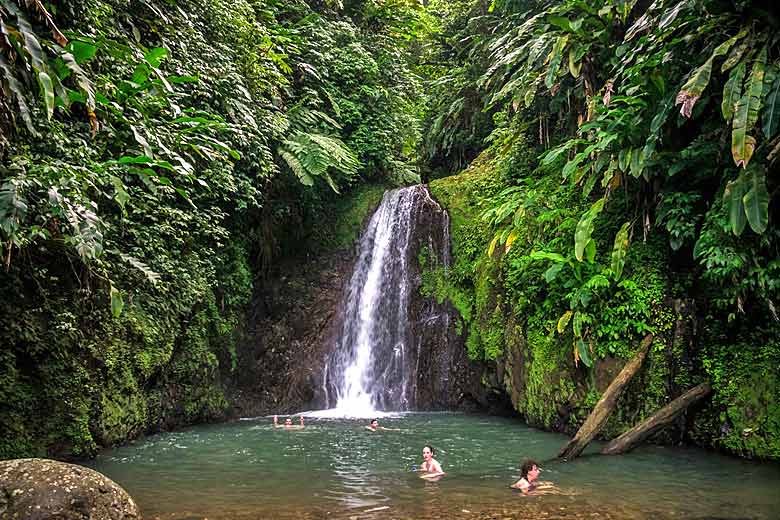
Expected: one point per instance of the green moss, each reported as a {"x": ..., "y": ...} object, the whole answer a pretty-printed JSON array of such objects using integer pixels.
[
  {"x": 339, "y": 223},
  {"x": 745, "y": 412},
  {"x": 548, "y": 383}
]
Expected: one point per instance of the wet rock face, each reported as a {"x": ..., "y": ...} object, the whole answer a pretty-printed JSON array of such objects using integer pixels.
[
  {"x": 42, "y": 489},
  {"x": 289, "y": 331},
  {"x": 445, "y": 378}
]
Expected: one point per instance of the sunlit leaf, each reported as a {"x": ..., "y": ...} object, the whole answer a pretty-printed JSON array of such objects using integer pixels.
[
  {"x": 155, "y": 56},
  {"x": 732, "y": 92},
  {"x": 82, "y": 51},
  {"x": 47, "y": 89},
  {"x": 746, "y": 115},
  {"x": 585, "y": 229},
  {"x": 693, "y": 88},
  {"x": 555, "y": 58},
  {"x": 563, "y": 321},
  {"x": 619, "y": 250},
  {"x": 117, "y": 304},
  {"x": 510, "y": 240}
]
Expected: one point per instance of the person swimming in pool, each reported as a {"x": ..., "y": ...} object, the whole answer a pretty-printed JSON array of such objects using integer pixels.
[
  {"x": 430, "y": 466},
  {"x": 529, "y": 472},
  {"x": 288, "y": 423},
  {"x": 374, "y": 426}
]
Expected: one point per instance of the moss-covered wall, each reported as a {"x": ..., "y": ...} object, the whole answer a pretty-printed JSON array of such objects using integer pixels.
[{"x": 511, "y": 315}]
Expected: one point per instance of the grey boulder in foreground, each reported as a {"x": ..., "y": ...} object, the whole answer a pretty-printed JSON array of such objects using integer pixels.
[{"x": 43, "y": 489}]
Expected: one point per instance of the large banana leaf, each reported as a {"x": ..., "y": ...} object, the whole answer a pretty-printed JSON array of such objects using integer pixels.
[
  {"x": 732, "y": 197},
  {"x": 771, "y": 111},
  {"x": 732, "y": 92},
  {"x": 693, "y": 88},
  {"x": 585, "y": 229},
  {"x": 742, "y": 144},
  {"x": 556, "y": 56},
  {"x": 619, "y": 250},
  {"x": 756, "y": 200}
]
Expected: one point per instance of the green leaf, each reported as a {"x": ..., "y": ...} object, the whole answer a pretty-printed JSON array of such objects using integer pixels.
[
  {"x": 552, "y": 272},
  {"x": 742, "y": 144},
  {"x": 82, "y": 51},
  {"x": 561, "y": 22},
  {"x": 585, "y": 229},
  {"x": 732, "y": 197},
  {"x": 756, "y": 200},
  {"x": 584, "y": 352},
  {"x": 577, "y": 324},
  {"x": 619, "y": 250},
  {"x": 694, "y": 87},
  {"x": 140, "y": 139},
  {"x": 155, "y": 56},
  {"x": 732, "y": 92},
  {"x": 81, "y": 79},
  {"x": 563, "y": 321},
  {"x": 575, "y": 66},
  {"x": 116, "y": 302},
  {"x": 736, "y": 53},
  {"x": 555, "y": 58},
  {"x": 47, "y": 89},
  {"x": 492, "y": 246},
  {"x": 637, "y": 162},
  {"x": 544, "y": 255},
  {"x": 772, "y": 108}
]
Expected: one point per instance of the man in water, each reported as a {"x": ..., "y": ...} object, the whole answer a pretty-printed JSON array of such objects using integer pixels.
[
  {"x": 288, "y": 424},
  {"x": 374, "y": 426}
]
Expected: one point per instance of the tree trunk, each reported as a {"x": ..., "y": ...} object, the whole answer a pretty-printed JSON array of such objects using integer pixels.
[
  {"x": 657, "y": 421},
  {"x": 606, "y": 405}
]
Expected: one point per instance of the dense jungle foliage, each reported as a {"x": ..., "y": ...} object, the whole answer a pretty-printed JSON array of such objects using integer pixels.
[
  {"x": 619, "y": 177},
  {"x": 627, "y": 182},
  {"x": 158, "y": 157}
]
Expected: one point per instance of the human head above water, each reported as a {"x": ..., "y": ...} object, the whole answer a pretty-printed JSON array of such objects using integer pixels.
[
  {"x": 374, "y": 423},
  {"x": 430, "y": 449},
  {"x": 288, "y": 420},
  {"x": 526, "y": 468}
]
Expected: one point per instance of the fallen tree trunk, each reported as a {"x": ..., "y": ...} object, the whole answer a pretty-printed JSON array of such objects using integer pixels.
[
  {"x": 606, "y": 405},
  {"x": 657, "y": 421}
]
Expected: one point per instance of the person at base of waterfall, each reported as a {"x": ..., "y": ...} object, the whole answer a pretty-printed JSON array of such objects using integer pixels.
[
  {"x": 529, "y": 472},
  {"x": 288, "y": 423},
  {"x": 430, "y": 466},
  {"x": 374, "y": 426}
]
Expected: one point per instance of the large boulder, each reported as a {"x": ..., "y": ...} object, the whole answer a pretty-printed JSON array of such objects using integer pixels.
[{"x": 42, "y": 489}]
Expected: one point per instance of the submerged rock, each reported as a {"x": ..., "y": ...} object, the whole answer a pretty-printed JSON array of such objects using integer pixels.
[{"x": 42, "y": 489}]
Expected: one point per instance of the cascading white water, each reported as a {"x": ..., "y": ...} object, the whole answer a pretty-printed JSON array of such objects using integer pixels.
[{"x": 373, "y": 364}]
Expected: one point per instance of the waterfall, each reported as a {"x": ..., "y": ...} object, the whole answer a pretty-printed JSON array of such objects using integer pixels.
[{"x": 372, "y": 366}]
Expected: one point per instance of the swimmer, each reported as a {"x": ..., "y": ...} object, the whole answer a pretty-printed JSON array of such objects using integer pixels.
[
  {"x": 288, "y": 423},
  {"x": 529, "y": 472},
  {"x": 430, "y": 466},
  {"x": 374, "y": 426}
]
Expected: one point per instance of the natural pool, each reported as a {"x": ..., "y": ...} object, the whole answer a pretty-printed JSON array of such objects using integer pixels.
[{"x": 334, "y": 468}]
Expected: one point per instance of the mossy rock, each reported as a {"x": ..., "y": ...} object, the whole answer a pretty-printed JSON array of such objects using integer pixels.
[{"x": 42, "y": 489}]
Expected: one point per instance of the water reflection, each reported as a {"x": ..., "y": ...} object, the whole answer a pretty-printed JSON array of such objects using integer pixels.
[{"x": 337, "y": 469}]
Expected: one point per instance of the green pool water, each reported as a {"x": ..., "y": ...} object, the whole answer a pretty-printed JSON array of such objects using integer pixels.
[{"x": 334, "y": 468}]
